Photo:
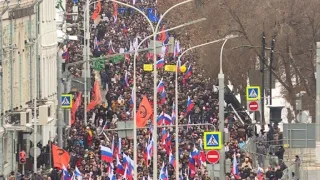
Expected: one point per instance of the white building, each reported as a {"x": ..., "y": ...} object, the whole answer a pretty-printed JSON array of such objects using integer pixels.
[{"x": 28, "y": 37}]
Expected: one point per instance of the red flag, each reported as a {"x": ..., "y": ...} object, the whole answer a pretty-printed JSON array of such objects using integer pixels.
[
  {"x": 60, "y": 157},
  {"x": 115, "y": 9},
  {"x": 144, "y": 112},
  {"x": 97, "y": 97},
  {"x": 75, "y": 107},
  {"x": 97, "y": 11}
]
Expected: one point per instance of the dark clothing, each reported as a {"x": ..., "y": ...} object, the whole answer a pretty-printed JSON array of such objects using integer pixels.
[
  {"x": 280, "y": 153},
  {"x": 279, "y": 174}
]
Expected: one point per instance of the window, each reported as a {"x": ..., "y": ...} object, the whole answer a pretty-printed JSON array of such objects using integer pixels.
[
  {"x": 49, "y": 111},
  {"x": 27, "y": 118}
]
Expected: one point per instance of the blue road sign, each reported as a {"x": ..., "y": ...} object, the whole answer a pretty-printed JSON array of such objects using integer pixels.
[
  {"x": 212, "y": 140},
  {"x": 75, "y": 1},
  {"x": 66, "y": 101},
  {"x": 253, "y": 93}
]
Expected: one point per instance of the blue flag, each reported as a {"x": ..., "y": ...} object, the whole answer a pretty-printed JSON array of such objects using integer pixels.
[
  {"x": 152, "y": 15},
  {"x": 122, "y": 10}
]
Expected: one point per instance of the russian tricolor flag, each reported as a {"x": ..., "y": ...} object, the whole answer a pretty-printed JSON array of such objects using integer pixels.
[
  {"x": 145, "y": 155},
  {"x": 120, "y": 169},
  {"x": 111, "y": 175},
  {"x": 112, "y": 145},
  {"x": 160, "y": 86},
  {"x": 163, "y": 96},
  {"x": 65, "y": 173},
  {"x": 164, "y": 136},
  {"x": 176, "y": 49},
  {"x": 172, "y": 160},
  {"x": 163, "y": 173},
  {"x": 188, "y": 74},
  {"x": 119, "y": 146},
  {"x": 164, "y": 118},
  {"x": 149, "y": 149},
  {"x": 65, "y": 55},
  {"x": 167, "y": 144},
  {"x": 167, "y": 120},
  {"x": 132, "y": 97},
  {"x": 260, "y": 173},
  {"x": 77, "y": 173},
  {"x": 160, "y": 119},
  {"x": 160, "y": 63},
  {"x": 202, "y": 157},
  {"x": 111, "y": 50},
  {"x": 173, "y": 114},
  {"x": 190, "y": 104},
  {"x": 127, "y": 174},
  {"x": 126, "y": 79},
  {"x": 196, "y": 156},
  {"x": 127, "y": 161},
  {"x": 235, "y": 170},
  {"x": 192, "y": 166},
  {"x": 106, "y": 154},
  {"x": 179, "y": 65},
  {"x": 95, "y": 43}
]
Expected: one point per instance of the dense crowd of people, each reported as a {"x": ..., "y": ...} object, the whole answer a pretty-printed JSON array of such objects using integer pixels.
[{"x": 118, "y": 29}]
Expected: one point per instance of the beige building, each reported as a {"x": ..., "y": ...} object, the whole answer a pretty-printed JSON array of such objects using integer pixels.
[{"x": 28, "y": 37}]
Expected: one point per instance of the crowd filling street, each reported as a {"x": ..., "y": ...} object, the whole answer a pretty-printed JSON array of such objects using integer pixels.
[{"x": 97, "y": 152}]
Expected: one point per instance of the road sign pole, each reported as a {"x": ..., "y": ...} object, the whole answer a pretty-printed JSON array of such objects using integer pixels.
[
  {"x": 262, "y": 62},
  {"x": 60, "y": 121},
  {"x": 221, "y": 122},
  {"x": 23, "y": 169},
  {"x": 35, "y": 132}
]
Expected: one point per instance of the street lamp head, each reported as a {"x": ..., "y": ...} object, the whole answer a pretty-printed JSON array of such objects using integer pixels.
[{"x": 230, "y": 36}]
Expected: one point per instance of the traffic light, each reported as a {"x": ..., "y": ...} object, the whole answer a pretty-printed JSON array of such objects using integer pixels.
[{"x": 22, "y": 157}]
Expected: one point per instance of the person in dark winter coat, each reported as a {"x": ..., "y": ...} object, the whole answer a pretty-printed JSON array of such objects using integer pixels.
[{"x": 280, "y": 153}]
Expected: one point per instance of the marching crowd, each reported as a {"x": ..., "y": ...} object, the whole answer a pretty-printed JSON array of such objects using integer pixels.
[{"x": 117, "y": 29}]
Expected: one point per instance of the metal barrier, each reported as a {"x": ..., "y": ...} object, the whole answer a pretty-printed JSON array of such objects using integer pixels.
[
  {"x": 295, "y": 171},
  {"x": 287, "y": 173},
  {"x": 268, "y": 159}
]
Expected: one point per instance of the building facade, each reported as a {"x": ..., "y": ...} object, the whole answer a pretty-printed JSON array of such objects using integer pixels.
[{"x": 28, "y": 61}]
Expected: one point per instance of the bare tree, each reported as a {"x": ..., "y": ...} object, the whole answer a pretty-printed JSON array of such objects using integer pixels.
[{"x": 294, "y": 22}]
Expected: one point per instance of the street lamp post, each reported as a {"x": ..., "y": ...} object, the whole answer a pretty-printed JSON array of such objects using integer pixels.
[
  {"x": 86, "y": 41},
  {"x": 155, "y": 81},
  {"x": 135, "y": 144},
  {"x": 221, "y": 106},
  {"x": 221, "y": 111},
  {"x": 220, "y": 98}
]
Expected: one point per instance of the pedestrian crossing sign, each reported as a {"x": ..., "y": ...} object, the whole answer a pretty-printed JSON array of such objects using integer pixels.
[
  {"x": 253, "y": 93},
  {"x": 212, "y": 140},
  {"x": 66, "y": 101}
]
